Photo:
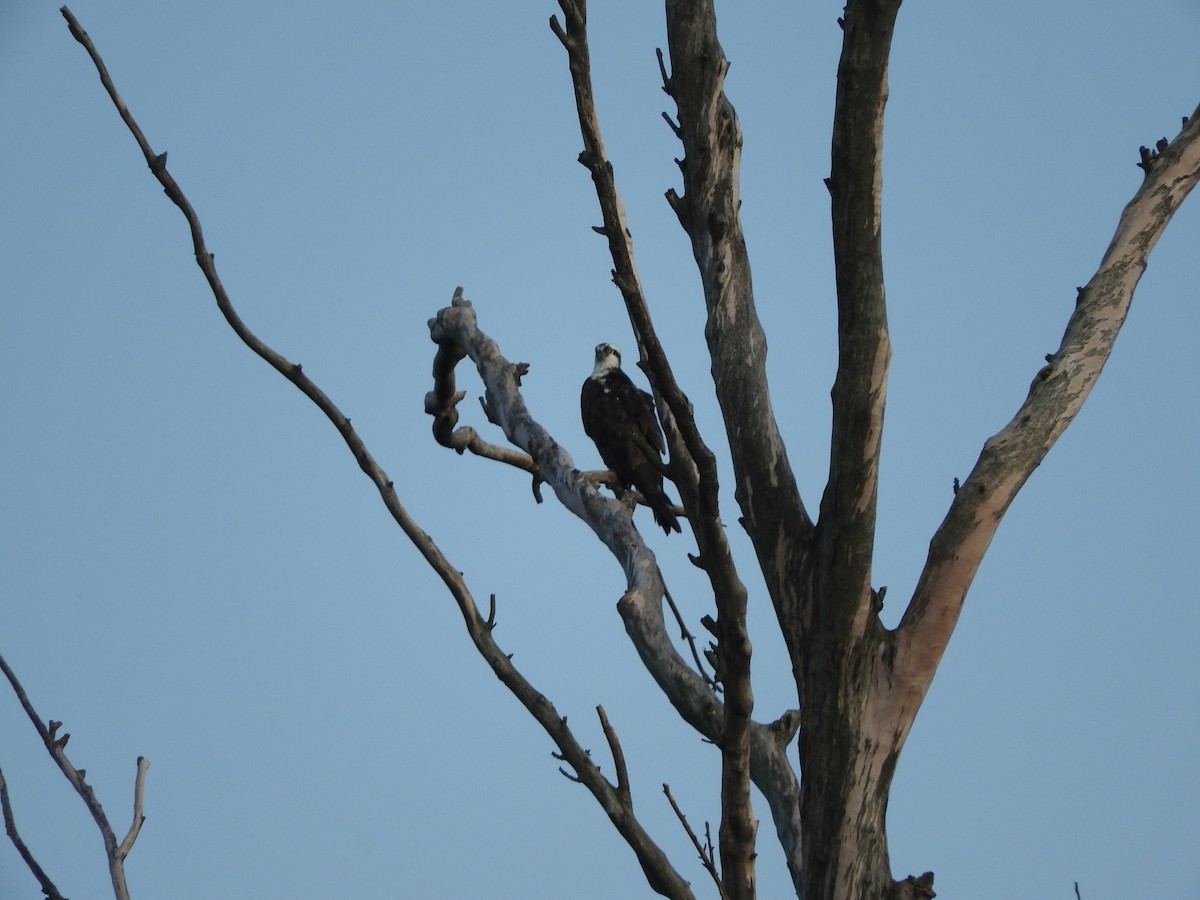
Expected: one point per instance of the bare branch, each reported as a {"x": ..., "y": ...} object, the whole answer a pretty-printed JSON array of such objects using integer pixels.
[
  {"x": 864, "y": 350},
  {"x": 773, "y": 513},
  {"x": 293, "y": 372},
  {"x": 686, "y": 634},
  {"x": 704, "y": 852},
  {"x": 138, "y": 818},
  {"x": 1056, "y": 395},
  {"x": 614, "y": 746},
  {"x": 56, "y": 747},
  {"x": 10, "y": 827},
  {"x": 442, "y": 403},
  {"x": 693, "y": 465},
  {"x": 661, "y": 876}
]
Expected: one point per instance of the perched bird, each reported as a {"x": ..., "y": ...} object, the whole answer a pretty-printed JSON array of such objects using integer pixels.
[{"x": 621, "y": 420}]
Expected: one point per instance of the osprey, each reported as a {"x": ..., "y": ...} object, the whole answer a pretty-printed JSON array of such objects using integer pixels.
[{"x": 621, "y": 420}]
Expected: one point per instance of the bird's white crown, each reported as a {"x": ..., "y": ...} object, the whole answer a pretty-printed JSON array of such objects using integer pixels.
[{"x": 608, "y": 357}]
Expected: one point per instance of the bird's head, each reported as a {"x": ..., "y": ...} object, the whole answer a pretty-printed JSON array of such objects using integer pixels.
[{"x": 608, "y": 358}]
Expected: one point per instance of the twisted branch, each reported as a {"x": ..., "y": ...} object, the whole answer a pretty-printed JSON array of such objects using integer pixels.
[{"x": 442, "y": 403}]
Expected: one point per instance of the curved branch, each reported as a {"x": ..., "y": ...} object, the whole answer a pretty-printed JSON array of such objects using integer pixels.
[
  {"x": 1055, "y": 397},
  {"x": 139, "y": 792},
  {"x": 442, "y": 403}
]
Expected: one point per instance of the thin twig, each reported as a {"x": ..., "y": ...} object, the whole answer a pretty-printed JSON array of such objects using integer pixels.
[
  {"x": 706, "y": 855},
  {"x": 689, "y": 637},
  {"x": 10, "y": 826}
]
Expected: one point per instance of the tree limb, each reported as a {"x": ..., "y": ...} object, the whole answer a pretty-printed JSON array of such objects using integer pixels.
[
  {"x": 848, "y": 507},
  {"x": 614, "y": 746},
  {"x": 56, "y": 747},
  {"x": 773, "y": 513},
  {"x": 10, "y": 828},
  {"x": 442, "y": 403},
  {"x": 139, "y": 790},
  {"x": 1055, "y": 397}
]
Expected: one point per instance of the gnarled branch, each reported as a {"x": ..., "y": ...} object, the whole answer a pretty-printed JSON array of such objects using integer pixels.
[
  {"x": 641, "y": 606},
  {"x": 442, "y": 403}
]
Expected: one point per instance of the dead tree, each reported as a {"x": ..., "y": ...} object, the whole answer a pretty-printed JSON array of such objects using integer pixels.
[{"x": 858, "y": 684}]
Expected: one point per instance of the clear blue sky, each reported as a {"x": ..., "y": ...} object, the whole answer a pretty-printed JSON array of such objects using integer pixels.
[{"x": 194, "y": 569}]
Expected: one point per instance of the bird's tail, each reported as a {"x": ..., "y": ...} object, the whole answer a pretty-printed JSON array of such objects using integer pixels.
[{"x": 660, "y": 505}]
